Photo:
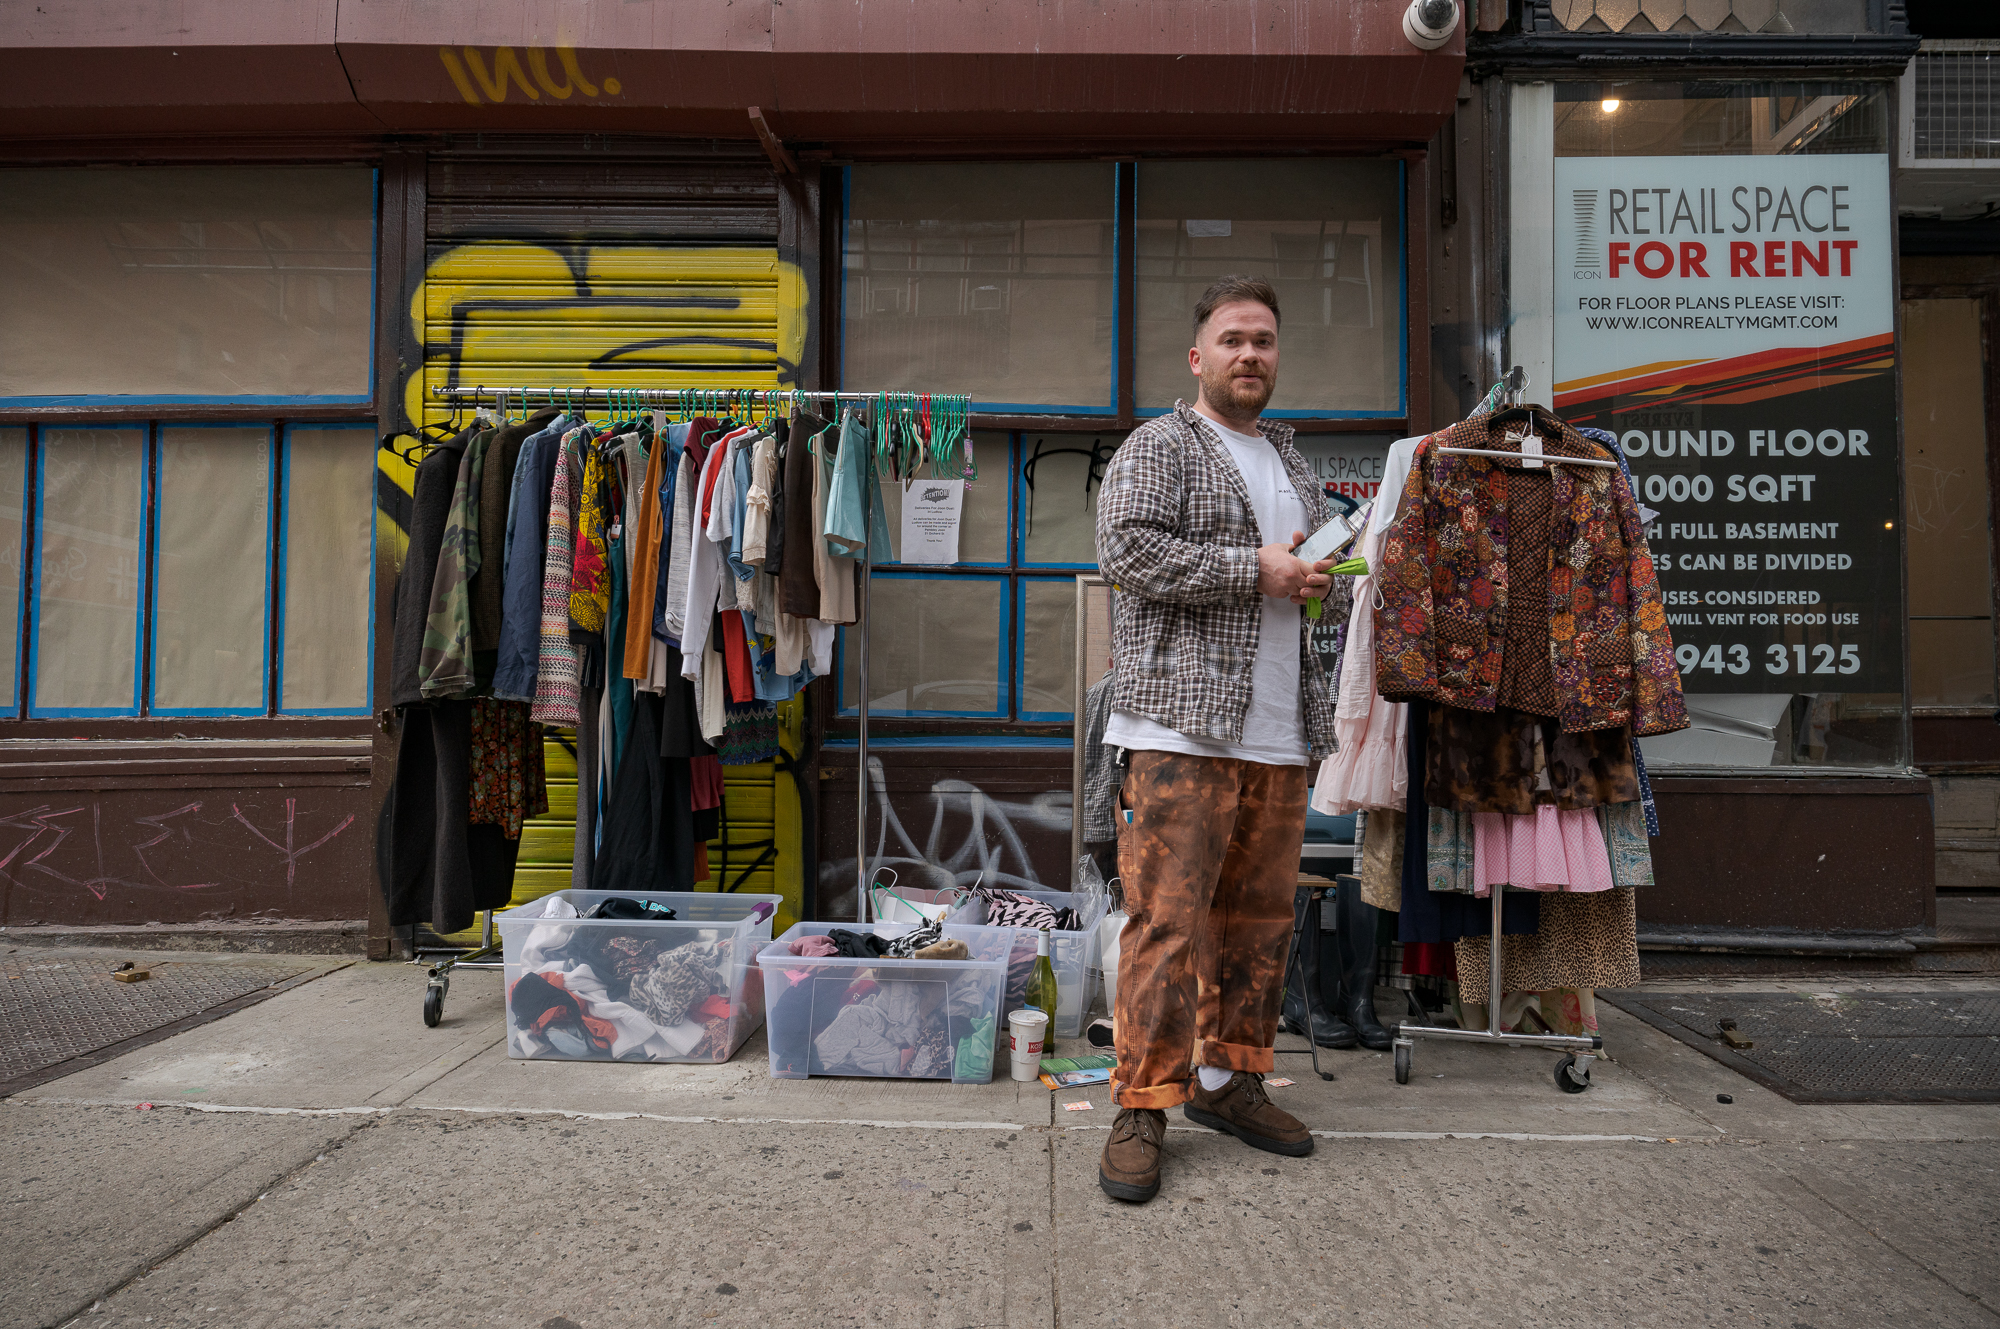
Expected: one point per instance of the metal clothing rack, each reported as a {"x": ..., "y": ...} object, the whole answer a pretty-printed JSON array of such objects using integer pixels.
[
  {"x": 1572, "y": 1073},
  {"x": 955, "y": 406}
]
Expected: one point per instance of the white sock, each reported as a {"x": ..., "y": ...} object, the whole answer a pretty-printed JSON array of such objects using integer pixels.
[{"x": 1213, "y": 1077}]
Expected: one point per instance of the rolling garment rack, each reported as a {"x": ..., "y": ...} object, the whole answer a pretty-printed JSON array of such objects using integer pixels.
[
  {"x": 1572, "y": 1073},
  {"x": 952, "y": 412}
]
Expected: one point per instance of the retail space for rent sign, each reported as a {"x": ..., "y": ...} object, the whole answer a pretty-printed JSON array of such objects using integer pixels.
[{"x": 1732, "y": 321}]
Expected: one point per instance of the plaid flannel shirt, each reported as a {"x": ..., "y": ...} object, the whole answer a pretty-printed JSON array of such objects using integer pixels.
[{"x": 1177, "y": 537}]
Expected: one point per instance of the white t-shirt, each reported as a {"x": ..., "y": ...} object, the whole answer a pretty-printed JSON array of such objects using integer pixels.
[{"x": 1274, "y": 730}]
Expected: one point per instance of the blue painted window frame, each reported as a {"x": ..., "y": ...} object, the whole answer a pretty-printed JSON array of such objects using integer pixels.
[
  {"x": 1121, "y": 183},
  {"x": 1003, "y": 680},
  {"x": 34, "y": 587},
  {"x": 152, "y": 609},
  {"x": 281, "y": 555},
  {"x": 298, "y": 399}
]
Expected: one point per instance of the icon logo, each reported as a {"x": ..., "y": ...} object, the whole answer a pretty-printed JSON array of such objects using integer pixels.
[{"x": 1584, "y": 203}]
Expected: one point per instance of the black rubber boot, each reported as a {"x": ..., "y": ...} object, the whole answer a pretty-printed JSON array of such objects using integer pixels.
[
  {"x": 1327, "y": 1029},
  {"x": 1354, "y": 941}
]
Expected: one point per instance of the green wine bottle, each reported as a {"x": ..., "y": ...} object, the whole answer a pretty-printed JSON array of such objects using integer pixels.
[{"x": 1041, "y": 993}]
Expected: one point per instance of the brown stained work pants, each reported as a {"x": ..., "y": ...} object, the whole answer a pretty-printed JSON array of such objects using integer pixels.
[{"x": 1210, "y": 863}]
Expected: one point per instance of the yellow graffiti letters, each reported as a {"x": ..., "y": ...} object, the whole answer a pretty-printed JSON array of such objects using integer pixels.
[
  {"x": 507, "y": 68},
  {"x": 504, "y": 64}
]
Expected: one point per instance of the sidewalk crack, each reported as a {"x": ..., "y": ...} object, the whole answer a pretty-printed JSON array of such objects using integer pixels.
[{"x": 153, "y": 1263}]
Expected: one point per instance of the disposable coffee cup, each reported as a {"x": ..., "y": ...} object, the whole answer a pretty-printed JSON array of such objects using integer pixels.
[{"x": 1027, "y": 1034}]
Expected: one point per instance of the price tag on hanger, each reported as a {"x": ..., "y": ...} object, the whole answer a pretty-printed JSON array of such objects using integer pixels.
[
  {"x": 932, "y": 512},
  {"x": 1530, "y": 445}
]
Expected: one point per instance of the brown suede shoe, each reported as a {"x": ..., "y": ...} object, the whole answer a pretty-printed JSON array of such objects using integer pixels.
[
  {"x": 1130, "y": 1168},
  {"x": 1241, "y": 1108}
]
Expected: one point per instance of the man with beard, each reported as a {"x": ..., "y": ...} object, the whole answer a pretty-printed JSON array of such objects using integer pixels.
[{"x": 1220, "y": 705}]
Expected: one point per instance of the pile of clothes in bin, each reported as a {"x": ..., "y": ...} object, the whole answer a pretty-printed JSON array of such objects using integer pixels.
[
  {"x": 598, "y": 993},
  {"x": 881, "y": 1022}
]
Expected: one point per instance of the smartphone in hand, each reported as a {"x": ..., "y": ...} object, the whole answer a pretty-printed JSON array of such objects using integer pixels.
[{"x": 1336, "y": 535}]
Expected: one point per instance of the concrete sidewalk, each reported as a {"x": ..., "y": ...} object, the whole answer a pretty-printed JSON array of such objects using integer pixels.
[{"x": 324, "y": 1159}]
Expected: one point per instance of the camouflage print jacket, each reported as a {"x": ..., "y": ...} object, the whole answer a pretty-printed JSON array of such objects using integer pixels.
[{"x": 1176, "y": 536}]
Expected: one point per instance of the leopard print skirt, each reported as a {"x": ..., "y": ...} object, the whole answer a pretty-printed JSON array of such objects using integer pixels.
[{"x": 1585, "y": 941}]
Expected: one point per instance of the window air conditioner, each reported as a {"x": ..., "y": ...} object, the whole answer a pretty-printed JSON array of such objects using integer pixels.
[{"x": 1950, "y": 106}]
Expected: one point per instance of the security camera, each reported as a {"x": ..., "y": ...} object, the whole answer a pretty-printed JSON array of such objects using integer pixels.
[{"x": 1429, "y": 23}]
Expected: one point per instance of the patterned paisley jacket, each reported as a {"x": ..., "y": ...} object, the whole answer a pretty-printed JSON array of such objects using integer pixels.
[{"x": 1441, "y": 625}]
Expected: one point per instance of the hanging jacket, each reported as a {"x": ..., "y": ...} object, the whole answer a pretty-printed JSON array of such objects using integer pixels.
[
  {"x": 558, "y": 689},
  {"x": 430, "y": 508},
  {"x": 1441, "y": 628},
  {"x": 496, "y": 482},
  {"x": 527, "y": 539},
  {"x": 445, "y": 663}
]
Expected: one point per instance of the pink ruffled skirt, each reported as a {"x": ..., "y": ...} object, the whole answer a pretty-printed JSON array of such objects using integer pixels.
[{"x": 1548, "y": 851}]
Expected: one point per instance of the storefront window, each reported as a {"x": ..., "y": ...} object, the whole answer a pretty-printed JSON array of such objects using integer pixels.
[
  {"x": 235, "y": 284},
  {"x": 1724, "y": 120},
  {"x": 992, "y": 279},
  {"x": 1328, "y": 234},
  {"x": 158, "y": 568},
  {"x": 1724, "y": 306},
  {"x": 991, "y": 637}
]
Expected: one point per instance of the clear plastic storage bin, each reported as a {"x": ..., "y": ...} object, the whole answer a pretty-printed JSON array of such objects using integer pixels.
[
  {"x": 590, "y": 989},
  {"x": 1074, "y": 955},
  {"x": 906, "y": 1019}
]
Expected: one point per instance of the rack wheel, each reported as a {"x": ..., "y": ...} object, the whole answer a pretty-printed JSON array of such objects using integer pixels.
[
  {"x": 1403, "y": 1063},
  {"x": 433, "y": 1006},
  {"x": 1569, "y": 1079}
]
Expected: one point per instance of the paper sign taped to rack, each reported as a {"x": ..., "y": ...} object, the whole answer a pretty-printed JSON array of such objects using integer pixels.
[{"x": 932, "y": 511}]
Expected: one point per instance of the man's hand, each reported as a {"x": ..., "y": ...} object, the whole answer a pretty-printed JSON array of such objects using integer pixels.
[{"x": 1281, "y": 572}]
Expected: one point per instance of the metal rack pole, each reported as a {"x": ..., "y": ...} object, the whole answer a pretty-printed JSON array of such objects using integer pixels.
[
  {"x": 1584, "y": 1046},
  {"x": 862, "y": 911}
]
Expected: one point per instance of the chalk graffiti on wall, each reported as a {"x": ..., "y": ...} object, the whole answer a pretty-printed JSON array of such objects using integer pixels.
[
  {"x": 128, "y": 852},
  {"x": 974, "y": 839}
]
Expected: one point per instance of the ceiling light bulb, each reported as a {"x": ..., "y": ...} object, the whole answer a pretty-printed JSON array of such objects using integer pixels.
[{"x": 1610, "y": 105}]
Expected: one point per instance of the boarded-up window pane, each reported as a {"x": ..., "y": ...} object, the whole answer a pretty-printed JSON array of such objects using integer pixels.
[
  {"x": 13, "y": 503},
  {"x": 1061, "y": 477},
  {"x": 993, "y": 279},
  {"x": 211, "y": 577},
  {"x": 982, "y": 531},
  {"x": 89, "y": 568},
  {"x": 1328, "y": 237},
  {"x": 209, "y": 283},
  {"x": 1048, "y": 648},
  {"x": 329, "y": 500},
  {"x": 935, "y": 649}
]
